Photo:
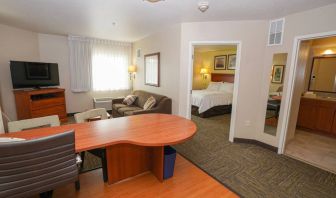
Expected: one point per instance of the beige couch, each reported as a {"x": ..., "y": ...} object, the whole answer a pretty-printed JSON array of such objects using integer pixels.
[{"x": 163, "y": 105}]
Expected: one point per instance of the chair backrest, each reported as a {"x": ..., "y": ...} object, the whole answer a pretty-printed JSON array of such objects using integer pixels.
[
  {"x": 85, "y": 116},
  {"x": 20, "y": 125},
  {"x": 34, "y": 166}
]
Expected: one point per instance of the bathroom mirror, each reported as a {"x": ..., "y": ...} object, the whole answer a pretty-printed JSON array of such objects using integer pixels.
[
  {"x": 323, "y": 74},
  {"x": 275, "y": 93}
]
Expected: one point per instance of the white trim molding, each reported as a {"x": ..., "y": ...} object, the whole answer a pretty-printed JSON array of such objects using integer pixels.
[
  {"x": 2, "y": 129},
  {"x": 236, "y": 79}
]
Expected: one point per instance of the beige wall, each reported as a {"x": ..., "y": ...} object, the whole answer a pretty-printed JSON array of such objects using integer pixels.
[
  {"x": 205, "y": 59},
  {"x": 256, "y": 62},
  {"x": 54, "y": 48},
  {"x": 18, "y": 44},
  {"x": 15, "y": 44},
  {"x": 298, "y": 24},
  {"x": 167, "y": 42},
  {"x": 253, "y": 35}
]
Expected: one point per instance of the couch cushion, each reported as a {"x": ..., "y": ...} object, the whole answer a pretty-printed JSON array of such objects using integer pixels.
[
  {"x": 118, "y": 106},
  {"x": 150, "y": 103},
  {"x": 122, "y": 110},
  {"x": 143, "y": 97},
  {"x": 130, "y": 99}
]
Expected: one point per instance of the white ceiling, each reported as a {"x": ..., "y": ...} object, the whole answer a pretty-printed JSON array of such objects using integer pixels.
[{"x": 135, "y": 18}]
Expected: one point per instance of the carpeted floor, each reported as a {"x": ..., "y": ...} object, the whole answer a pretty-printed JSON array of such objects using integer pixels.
[{"x": 250, "y": 170}]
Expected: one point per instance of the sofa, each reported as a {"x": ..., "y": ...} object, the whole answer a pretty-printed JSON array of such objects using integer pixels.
[{"x": 163, "y": 105}]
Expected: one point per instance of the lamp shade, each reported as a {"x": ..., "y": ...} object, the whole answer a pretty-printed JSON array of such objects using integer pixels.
[
  {"x": 204, "y": 71},
  {"x": 132, "y": 68}
]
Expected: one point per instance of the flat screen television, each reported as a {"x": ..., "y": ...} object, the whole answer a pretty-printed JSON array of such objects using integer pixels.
[{"x": 33, "y": 74}]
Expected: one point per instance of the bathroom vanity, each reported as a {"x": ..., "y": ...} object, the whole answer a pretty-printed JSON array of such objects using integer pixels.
[{"x": 318, "y": 114}]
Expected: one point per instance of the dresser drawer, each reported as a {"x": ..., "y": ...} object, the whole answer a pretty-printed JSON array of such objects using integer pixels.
[
  {"x": 55, "y": 110},
  {"x": 45, "y": 103}
]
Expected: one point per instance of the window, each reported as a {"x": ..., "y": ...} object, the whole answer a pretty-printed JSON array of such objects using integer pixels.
[
  {"x": 110, "y": 67},
  {"x": 99, "y": 65},
  {"x": 276, "y": 32}
]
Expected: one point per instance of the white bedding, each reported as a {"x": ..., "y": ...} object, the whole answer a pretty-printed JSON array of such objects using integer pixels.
[{"x": 205, "y": 99}]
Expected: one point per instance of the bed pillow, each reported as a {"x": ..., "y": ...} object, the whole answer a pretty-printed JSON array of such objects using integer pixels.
[
  {"x": 226, "y": 87},
  {"x": 130, "y": 99},
  {"x": 150, "y": 103},
  {"x": 214, "y": 86}
]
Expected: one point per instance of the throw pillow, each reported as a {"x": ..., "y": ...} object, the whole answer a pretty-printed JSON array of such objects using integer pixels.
[
  {"x": 130, "y": 99},
  {"x": 150, "y": 103}
]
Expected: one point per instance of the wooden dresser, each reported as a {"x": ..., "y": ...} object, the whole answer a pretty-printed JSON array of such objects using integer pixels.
[
  {"x": 318, "y": 114},
  {"x": 39, "y": 103}
]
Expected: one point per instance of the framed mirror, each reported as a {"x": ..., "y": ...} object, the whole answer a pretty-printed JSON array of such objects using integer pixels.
[
  {"x": 323, "y": 74},
  {"x": 275, "y": 93},
  {"x": 152, "y": 69}
]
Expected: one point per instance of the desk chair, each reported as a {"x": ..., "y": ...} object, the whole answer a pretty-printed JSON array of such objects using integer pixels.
[
  {"x": 93, "y": 115},
  {"x": 36, "y": 166},
  {"x": 20, "y": 125}
]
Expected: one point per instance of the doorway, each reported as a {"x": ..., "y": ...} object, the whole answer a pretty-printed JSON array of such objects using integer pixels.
[
  {"x": 214, "y": 65},
  {"x": 309, "y": 131}
]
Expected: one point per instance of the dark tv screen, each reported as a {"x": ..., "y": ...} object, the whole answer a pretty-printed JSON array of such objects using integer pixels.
[{"x": 33, "y": 74}]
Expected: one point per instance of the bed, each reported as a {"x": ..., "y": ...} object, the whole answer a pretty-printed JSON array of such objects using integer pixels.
[{"x": 207, "y": 103}]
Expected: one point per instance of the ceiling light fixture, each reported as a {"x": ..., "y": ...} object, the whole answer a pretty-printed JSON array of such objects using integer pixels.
[{"x": 203, "y": 6}]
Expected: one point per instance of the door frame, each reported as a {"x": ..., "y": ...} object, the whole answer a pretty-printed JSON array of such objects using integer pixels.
[
  {"x": 291, "y": 82},
  {"x": 192, "y": 44}
]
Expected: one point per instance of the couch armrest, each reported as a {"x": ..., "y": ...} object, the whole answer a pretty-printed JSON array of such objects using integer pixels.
[{"x": 117, "y": 100}]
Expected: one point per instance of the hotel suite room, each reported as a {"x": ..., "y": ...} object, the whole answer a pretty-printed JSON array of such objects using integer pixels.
[{"x": 126, "y": 91}]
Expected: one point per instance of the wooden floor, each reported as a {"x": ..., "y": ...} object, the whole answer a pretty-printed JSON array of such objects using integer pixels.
[
  {"x": 188, "y": 181},
  {"x": 317, "y": 150}
]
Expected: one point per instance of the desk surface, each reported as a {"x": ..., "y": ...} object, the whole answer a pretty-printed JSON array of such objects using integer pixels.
[{"x": 142, "y": 130}]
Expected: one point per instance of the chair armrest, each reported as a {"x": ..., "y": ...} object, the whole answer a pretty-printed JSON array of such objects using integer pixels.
[{"x": 117, "y": 100}]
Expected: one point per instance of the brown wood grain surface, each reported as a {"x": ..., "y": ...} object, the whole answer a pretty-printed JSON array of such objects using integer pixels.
[
  {"x": 142, "y": 130},
  {"x": 217, "y": 77}
]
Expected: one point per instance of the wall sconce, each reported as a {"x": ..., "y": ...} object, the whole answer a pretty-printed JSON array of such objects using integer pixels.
[
  {"x": 132, "y": 70},
  {"x": 204, "y": 73},
  {"x": 328, "y": 52}
]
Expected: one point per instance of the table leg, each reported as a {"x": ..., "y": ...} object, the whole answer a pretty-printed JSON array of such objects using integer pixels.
[{"x": 127, "y": 160}]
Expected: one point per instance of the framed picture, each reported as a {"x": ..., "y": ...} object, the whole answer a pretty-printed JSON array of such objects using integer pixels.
[
  {"x": 220, "y": 62},
  {"x": 231, "y": 61},
  {"x": 152, "y": 69},
  {"x": 277, "y": 73}
]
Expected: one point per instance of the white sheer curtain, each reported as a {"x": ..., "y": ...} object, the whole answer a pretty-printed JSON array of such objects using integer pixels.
[
  {"x": 99, "y": 65},
  {"x": 110, "y": 61},
  {"x": 80, "y": 63}
]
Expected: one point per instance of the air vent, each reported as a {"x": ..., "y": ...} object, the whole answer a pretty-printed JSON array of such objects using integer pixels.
[{"x": 276, "y": 31}]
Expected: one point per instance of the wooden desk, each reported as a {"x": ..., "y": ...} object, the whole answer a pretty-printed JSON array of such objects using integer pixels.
[{"x": 134, "y": 144}]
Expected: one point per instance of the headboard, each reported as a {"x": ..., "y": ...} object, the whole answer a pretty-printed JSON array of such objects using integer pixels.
[{"x": 215, "y": 77}]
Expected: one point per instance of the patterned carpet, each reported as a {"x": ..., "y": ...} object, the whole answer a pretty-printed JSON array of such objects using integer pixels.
[{"x": 250, "y": 170}]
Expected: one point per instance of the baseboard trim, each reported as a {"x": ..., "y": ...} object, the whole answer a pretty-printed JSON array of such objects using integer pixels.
[{"x": 256, "y": 142}]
